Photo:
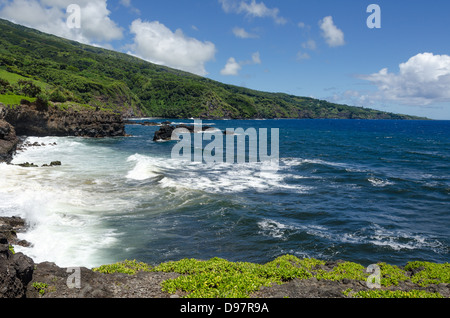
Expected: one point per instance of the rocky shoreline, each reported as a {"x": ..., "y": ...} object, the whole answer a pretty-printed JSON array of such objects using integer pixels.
[
  {"x": 21, "y": 277},
  {"x": 30, "y": 120},
  {"x": 8, "y": 141}
]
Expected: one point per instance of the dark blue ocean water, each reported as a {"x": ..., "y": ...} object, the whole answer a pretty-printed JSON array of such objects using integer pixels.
[
  {"x": 358, "y": 190},
  {"x": 364, "y": 191}
]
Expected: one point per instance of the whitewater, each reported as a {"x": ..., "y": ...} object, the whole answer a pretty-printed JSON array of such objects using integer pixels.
[{"x": 364, "y": 191}]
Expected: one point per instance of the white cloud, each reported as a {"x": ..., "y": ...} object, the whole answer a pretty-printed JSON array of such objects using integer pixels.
[
  {"x": 252, "y": 9},
  {"x": 333, "y": 36},
  {"x": 50, "y": 16},
  {"x": 156, "y": 43},
  {"x": 310, "y": 45},
  {"x": 302, "y": 56},
  {"x": 127, "y": 3},
  {"x": 422, "y": 80},
  {"x": 228, "y": 5},
  {"x": 231, "y": 68},
  {"x": 95, "y": 23},
  {"x": 256, "y": 58},
  {"x": 241, "y": 33}
]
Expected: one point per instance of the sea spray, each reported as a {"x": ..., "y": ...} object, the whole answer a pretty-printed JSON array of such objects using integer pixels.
[{"x": 335, "y": 194}]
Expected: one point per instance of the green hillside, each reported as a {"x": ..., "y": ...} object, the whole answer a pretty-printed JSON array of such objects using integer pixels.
[{"x": 70, "y": 74}]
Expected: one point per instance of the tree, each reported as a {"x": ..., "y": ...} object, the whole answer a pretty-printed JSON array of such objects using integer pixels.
[
  {"x": 28, "y": 88},
  {"x": 42, "y": 102}
]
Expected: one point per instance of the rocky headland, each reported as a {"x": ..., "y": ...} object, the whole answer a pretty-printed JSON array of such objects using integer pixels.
[{"x": 29, "y": 119}]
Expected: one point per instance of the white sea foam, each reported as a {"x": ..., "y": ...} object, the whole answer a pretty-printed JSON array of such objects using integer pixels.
[
  {"x": 235, "y": 178},
  {"x": 396, "y": 240},
  {"x": 400, "y": 239},
  {"x": 301, "y": 161},
  {"x": 212, "y": 178},
  {"x": 274, "y": 229},
  {"x": 144, "y": 168},
  {"x": 61, "y": 204},
  {"x": 74, "y": 209},
  {"x": 379, "y": 182}
]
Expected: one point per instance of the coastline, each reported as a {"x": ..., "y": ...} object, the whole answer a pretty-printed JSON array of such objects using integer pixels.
[
  {"x": 21, "y": 277},
  {"x": 29, "y": 120}
]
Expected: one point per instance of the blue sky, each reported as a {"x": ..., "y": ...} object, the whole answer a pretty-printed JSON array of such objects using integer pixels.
[{"x": 322, "y": 49}]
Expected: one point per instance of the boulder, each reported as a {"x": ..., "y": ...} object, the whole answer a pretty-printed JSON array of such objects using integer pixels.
[
  {"x": 8, "y": 141},
  {"x": 9, "y": 227},
  {"x": 16, "y": 271},
  {"x": 166, "y": 131}
]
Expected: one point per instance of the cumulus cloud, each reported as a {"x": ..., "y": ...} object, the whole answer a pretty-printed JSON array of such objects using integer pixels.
[
  {"x": 422, "y": 80},
  {"x": 233, "y": 67},
  {"x": 331, "y": 33},
  {"x": 252, "y": 9},
  {"x": 243, "y": 34},
  {"x": 156, "y": 43},
  {"x": 50, "y": 16}
]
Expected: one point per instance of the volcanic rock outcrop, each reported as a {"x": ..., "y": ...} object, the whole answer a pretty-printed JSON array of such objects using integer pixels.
[{"x": 29, "y": 121}]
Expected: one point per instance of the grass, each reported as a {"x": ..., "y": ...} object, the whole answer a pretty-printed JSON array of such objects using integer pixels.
[
  {"x": 13, "y": 78},
  {"x": 14, "y": 99},
  {"x": 219, "y": 278}
]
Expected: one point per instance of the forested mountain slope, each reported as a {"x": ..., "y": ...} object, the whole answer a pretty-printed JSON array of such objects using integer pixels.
[{"x": 70, "y": 74}]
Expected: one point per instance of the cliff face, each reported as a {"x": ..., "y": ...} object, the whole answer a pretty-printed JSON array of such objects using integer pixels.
[
  {"x": 8, "y": 141},
  {"x": 29, "y": 121},
  {"x": 16, "y": 270}
]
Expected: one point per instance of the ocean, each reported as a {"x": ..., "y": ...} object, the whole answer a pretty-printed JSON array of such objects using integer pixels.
[{"x": 357, "y": 190}]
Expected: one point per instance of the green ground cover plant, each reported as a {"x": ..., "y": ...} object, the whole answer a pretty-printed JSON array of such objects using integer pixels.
[{"x": 219, "y": 278}]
